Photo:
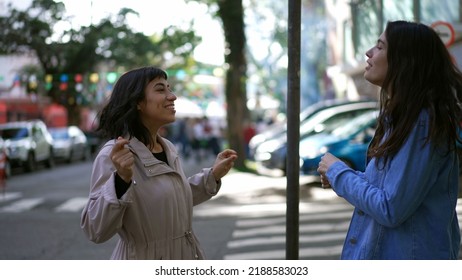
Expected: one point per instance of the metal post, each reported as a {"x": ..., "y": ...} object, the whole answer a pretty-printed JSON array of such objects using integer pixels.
[
  {"x": 460, "y": 10},
  {"x": 416, "y": 10},
  {"x": 380, "y": 16},
  {"x": 293, "y": 131}
]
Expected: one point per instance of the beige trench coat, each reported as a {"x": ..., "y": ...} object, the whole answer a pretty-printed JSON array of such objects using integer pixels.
[{"x": 153, "y": 218}]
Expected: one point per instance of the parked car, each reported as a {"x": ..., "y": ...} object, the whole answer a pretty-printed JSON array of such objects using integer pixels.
[
  {"x": 278, "y": 130},
  {"x": 271, "y": 155},
  {"x": 70, "y": 143},
  {"x": 348, "y": 142},
  {"x": 28, "y": 143}
]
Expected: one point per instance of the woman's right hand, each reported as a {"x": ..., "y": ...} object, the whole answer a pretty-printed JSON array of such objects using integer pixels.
[
  {"x": 326, "y": 161},
  {"x": 123, "y": 159}
]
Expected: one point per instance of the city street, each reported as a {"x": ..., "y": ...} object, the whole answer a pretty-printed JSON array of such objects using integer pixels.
[{"x": 40, "y": 215}]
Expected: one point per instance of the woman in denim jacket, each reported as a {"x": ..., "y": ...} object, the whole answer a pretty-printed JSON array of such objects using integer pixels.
[{"x": 405, "y": 201}]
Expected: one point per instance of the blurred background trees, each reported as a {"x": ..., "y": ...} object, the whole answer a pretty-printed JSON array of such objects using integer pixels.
[
  {"x": 110, "y": 44},
  {"x": 231, "y": 14}
]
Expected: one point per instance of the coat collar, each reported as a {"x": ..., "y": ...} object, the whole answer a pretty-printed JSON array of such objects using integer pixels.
[{"x": 146, "y": 156}]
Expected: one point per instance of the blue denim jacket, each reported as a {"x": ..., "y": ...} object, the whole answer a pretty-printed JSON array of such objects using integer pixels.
[{"x": 405, "y": 209}]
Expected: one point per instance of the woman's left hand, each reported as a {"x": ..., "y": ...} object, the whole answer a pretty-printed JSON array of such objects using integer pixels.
[{"x": 223, "y": 163}]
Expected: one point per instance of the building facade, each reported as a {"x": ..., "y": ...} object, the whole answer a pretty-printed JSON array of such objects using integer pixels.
[{"x": 355, "y": 26}]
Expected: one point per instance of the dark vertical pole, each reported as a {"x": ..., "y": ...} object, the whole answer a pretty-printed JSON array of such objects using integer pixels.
[
  {"x": 416, "y": 10},
  {"x": 460, "y": 10},
  {"x": 381, "y": 16},
  {"x": 293, "y": 131}
]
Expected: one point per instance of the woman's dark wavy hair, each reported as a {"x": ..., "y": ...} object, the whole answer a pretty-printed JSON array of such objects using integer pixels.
[
  {"x": 120, "y": 116},
  {"x": 421, "y": 75}
]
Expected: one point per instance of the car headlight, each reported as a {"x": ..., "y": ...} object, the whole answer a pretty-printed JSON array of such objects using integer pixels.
[
  {"x": 21, "y": 144},
  {"x": 313, "y": 152},
  {"x": 270, "y": 146},
  {"x": 263, "y": 156}
]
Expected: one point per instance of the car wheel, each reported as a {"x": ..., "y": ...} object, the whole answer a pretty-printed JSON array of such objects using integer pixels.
[
  {"x": 30, "y": 163},
  {"x": 7, "y": 169},
  {"x": 50, "y": 161},
  {"x": 71, "y": 156}
]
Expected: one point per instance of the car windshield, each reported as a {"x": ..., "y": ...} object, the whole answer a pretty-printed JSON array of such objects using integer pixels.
[
  {"x": 355, "y": 125},
  {"x": 325, "y": 121},
  {"x": 14, "y": 133},
  {"x": 59, "y": 134}
]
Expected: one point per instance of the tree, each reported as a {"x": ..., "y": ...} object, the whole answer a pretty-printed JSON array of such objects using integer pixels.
[
  {"x": 231, "y": 13},
  {"x": 111, "y": 43},
  {"x": 268, "y": 61}
]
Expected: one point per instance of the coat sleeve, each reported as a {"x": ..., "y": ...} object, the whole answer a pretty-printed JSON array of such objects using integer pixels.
[
  {"x": 103, "y": 214},
  {"x": 203, "y": 186}
]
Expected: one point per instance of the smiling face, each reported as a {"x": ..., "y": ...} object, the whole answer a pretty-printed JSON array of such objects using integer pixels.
[
  {"x": 157, "y": 109},
  {"x": 377, "y": 63}
]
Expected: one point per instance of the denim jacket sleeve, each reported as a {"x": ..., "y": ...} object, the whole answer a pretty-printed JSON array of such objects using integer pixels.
[{"x": 390, "y": 194}]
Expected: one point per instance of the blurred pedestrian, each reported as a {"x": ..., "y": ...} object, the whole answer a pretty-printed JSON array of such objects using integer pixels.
[
  {"x": 138, "y": 189},
  {"x": 213, "y": 130},
  {"x": 4, "y": 165},
  {"x": 178, "y": 136},
  {"x": 201, "y": 138},
  {"x": 405, "y": 201},
  {"x": 249, "y": 132}
]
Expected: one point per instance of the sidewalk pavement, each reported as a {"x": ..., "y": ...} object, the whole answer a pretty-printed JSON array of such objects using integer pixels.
[{"x": 246, "y": 187}]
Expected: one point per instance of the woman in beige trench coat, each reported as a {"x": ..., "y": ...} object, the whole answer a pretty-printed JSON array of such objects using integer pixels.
[{"x": 138, "y": 189}]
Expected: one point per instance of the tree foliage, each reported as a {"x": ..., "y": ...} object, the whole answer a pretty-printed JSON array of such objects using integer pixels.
[{"x": 111, "y": 41}]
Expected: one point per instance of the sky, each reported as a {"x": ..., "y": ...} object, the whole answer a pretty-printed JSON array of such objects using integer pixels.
[{"x": 154, "y": 16}]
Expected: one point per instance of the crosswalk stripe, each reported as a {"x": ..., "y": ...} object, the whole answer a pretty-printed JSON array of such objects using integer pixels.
[
  {"x": 7, "y": 196},
  {"x": 281, "y": 239},
  {"x": 325, "y": 251},
  {"x": 72, "y": 205},
  {"x": 282, "y": 219},
  {"x": 326, "y": 227},
  {"x": 22, "y": 205},
  {"x": 263, "y": 210}
]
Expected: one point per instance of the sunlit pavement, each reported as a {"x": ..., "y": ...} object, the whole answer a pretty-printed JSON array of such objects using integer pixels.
[{"x": 242, "y": 193}]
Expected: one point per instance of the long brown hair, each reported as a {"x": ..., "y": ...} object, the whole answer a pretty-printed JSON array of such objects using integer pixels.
[{"x": 421, "y": 76}]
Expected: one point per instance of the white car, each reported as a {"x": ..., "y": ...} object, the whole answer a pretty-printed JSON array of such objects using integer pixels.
[{"x": 28, "y": 143}]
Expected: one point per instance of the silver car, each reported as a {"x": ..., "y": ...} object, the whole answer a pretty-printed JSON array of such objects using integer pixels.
[
  {"x": 271, "y": 155},
  {"x": 28, "y": 143},
  {"x": 69, "y": 143}
]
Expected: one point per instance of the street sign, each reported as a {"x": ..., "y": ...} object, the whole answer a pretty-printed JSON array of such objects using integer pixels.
[{"x": 446, "y": 32}]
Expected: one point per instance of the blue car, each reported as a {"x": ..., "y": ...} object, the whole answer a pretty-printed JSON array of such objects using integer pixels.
[{"x": 348, "y": 142}]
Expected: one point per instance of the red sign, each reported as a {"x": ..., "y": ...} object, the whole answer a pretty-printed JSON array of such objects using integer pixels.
[{"x": 445, "y": 31}]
